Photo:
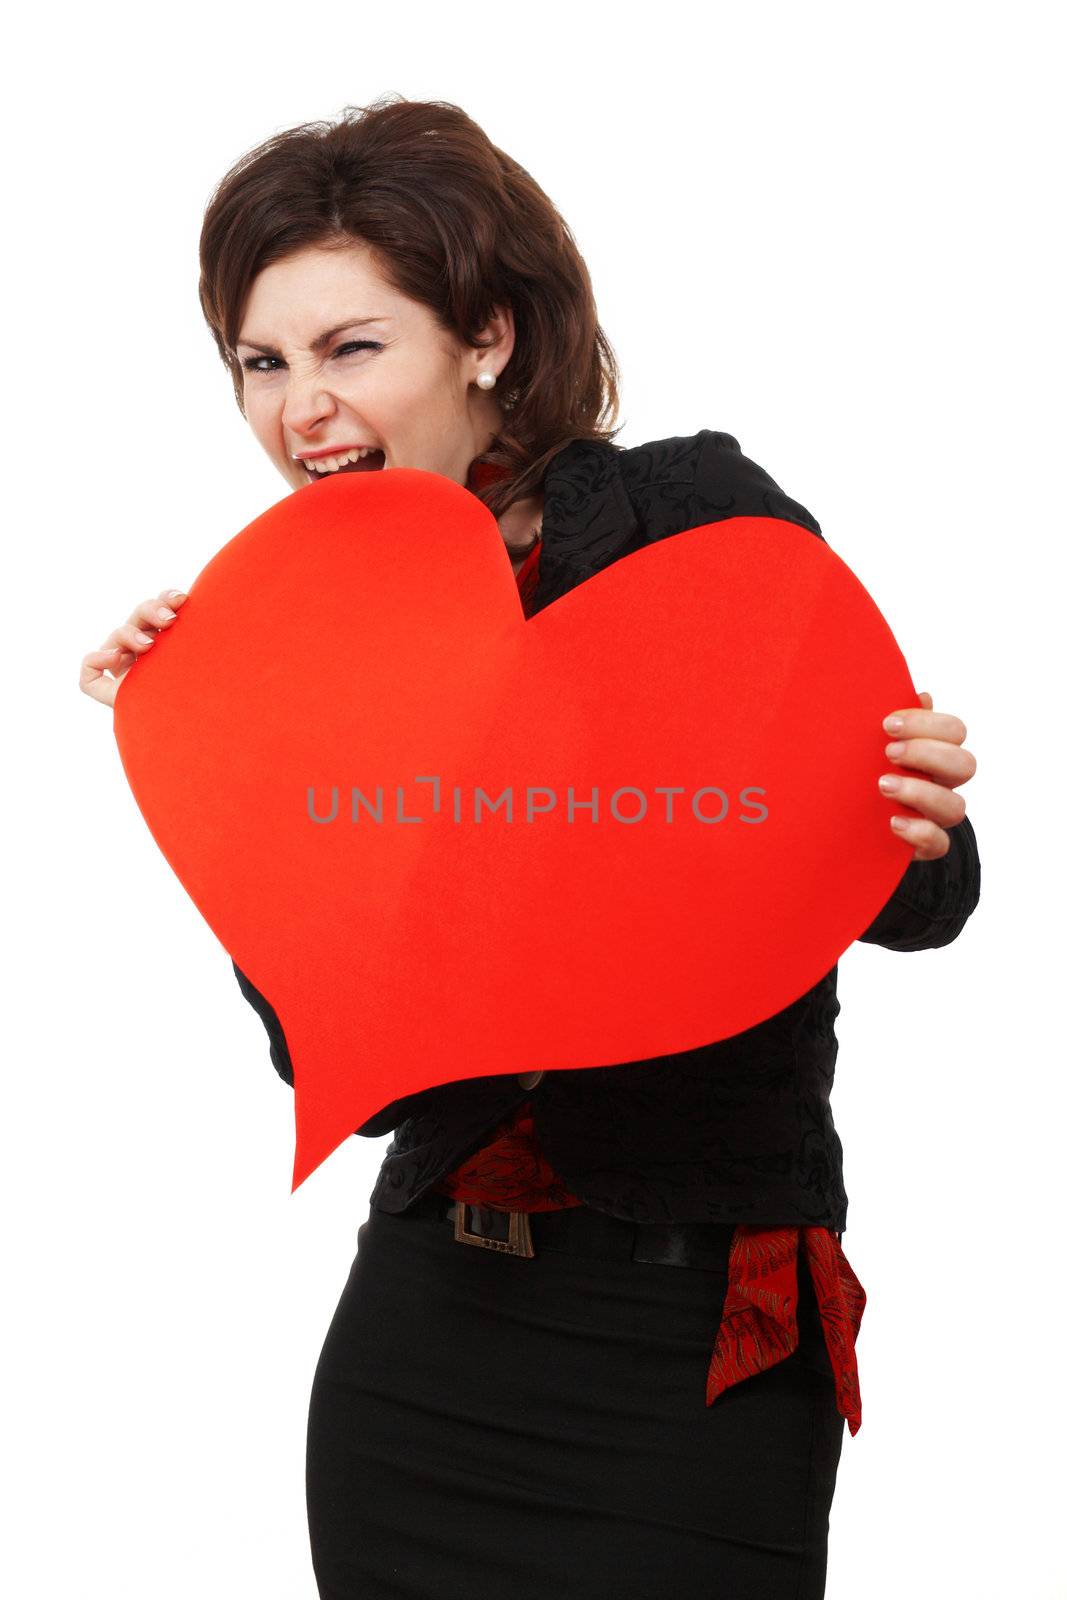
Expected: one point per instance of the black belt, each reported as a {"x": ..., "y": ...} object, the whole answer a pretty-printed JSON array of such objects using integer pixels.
[{"x": 582, "y": 1231}]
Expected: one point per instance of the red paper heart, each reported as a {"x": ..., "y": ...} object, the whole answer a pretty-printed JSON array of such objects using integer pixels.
[{"x": 366, "y": 631}]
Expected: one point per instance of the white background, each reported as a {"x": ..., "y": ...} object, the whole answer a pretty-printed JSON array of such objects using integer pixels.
[{"x": 831, "y": 230}]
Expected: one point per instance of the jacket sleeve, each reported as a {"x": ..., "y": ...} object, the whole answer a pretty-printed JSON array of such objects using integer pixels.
[
  {"x": 382, "y": 1122},
  {"x": 933, "y": 900}
]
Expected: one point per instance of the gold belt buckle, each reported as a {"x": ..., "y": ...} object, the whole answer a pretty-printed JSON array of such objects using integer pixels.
[{"x": 519, "y": 1241}]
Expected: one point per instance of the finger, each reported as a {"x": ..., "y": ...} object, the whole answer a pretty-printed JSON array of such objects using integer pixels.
[
  {"x": 929, "y": 840},
  {"x": 943, "y": 806},
  {"x": 919, "y": 721},
  {"x": 927, "y": 700},
  {"x": 92, "y": 678},
  {"x": 130, "y": 638},
  {"x": 948, "y": 763},
  {"x": 170, "y": 600},
  {"x": 157, "y": 613}
]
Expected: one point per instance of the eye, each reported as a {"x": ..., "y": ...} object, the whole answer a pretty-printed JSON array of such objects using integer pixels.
[
  {"x": 252, "y": 363},
  {"x": 357, "y": 344}
]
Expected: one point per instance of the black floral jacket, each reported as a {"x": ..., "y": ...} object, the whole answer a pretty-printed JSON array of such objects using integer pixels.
[{"x": 736, "y": 1131}]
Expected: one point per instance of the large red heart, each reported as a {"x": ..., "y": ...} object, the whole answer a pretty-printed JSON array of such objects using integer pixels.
[{"x": 366, "y": 631}]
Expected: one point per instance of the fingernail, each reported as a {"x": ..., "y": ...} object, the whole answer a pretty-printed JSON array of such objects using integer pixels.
[
  {"x": 893, "y": 724},
  {"x": 176, "y": 594},
  {"x": 894, "y": 750},
  {"x": 889, "y": 784},
  {"x": 166, "y": 613},
  {"x": 899, "y": 823},
  {"x": 143, "y": 638}
]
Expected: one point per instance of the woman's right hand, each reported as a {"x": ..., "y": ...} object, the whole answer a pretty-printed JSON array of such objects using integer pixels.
[{"x": 121, "y": 648}]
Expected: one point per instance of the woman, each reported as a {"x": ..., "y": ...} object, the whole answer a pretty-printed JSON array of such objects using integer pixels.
[{"x": 538, "y": 1411}]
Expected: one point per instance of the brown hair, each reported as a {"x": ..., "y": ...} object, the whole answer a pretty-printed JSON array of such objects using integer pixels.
[{"x": 454, "y": 223}]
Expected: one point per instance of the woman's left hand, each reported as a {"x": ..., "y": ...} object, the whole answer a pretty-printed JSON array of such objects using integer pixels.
[{"x": 929, "y": 741}]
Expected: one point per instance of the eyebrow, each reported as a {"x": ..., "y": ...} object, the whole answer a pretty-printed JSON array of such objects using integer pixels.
[{"x": 320, "y": 341}]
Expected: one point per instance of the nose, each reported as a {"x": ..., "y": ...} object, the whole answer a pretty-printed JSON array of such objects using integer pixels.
[{"x": 308, "y": 403}]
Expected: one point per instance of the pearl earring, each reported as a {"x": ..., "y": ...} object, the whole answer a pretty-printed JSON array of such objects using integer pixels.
[{"x": 486, "y": 380}]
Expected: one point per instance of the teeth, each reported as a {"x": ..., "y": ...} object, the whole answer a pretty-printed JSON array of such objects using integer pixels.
[{"x": 331, "y": 463}]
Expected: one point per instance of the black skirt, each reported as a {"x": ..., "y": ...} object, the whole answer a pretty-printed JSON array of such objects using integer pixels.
[{"x": 532, "y": 1427}]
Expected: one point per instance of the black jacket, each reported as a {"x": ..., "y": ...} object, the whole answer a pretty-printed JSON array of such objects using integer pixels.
[{"x": 736, "y": 1131}]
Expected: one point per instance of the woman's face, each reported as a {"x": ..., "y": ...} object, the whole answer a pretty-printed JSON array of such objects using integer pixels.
[{"x": 315, "y": 383}]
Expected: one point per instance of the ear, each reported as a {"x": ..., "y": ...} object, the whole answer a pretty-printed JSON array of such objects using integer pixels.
[{"x": 501, "y": 330}]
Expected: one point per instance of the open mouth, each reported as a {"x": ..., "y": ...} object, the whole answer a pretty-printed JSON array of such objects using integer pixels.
[{"x": 374, "y": 461}]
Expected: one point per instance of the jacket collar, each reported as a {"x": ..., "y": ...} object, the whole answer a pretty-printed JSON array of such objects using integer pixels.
[{"x": 588, "y": 516}]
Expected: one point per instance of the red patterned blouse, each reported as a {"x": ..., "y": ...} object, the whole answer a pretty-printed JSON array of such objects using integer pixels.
[{"x": 758, "y": 1325}]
